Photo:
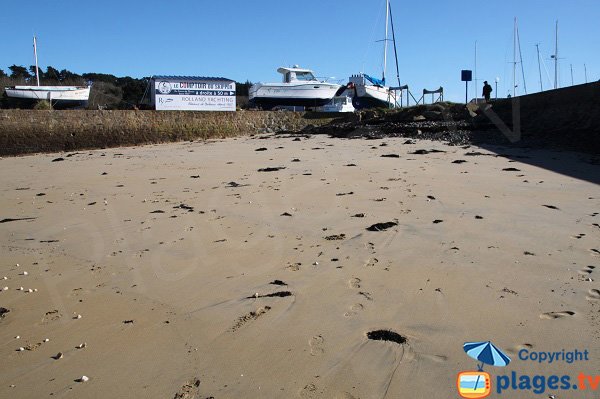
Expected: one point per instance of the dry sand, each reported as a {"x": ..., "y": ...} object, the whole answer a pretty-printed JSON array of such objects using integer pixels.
[{"x": 162, "y": 250}]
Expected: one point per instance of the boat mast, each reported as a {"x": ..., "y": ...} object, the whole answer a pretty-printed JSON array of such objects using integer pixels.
[
  {"x": 556, "y": 59},
  {"x": 585, "y": 70},
  {"x": 515, "y": 59},
  {"x": 539, "y": 66},
  {"x": 37, "y": 72},
  {"x": 385, "y": 44},
  {"x": 475, "y": 80},
  {"x": 521, "y": 60},
  {"x": 395, "y": 50},
  {"x": 572, "y": 81}
]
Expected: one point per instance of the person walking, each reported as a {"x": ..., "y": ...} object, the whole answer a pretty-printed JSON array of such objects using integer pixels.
[{"x": 487, "y": 91}]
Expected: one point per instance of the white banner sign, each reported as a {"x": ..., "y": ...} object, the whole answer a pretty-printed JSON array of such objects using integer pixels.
[{"x": 194, "y": 95}]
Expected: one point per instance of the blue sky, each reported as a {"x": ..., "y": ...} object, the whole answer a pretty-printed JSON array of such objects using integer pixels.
[{"x": 248, "y": 40}]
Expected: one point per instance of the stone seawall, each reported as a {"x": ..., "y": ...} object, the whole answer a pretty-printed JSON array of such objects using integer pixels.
[
  {"x": 567, "y": 118},
  {"x": 31, "y": 131}
]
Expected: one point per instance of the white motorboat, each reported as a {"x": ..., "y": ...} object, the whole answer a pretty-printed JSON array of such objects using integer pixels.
[
  {"x": 298, "y": 88},
  {"x": 338, "y": 104},
  {"x": 370, "y": 92},
  {"x": 58, "y": 96}
]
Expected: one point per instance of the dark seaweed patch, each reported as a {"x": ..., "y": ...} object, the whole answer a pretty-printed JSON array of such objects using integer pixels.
[
  {"x": 275, "y": 169},
  {"x": 382, "y": 226},
  {"x": 386, "y": 335}
]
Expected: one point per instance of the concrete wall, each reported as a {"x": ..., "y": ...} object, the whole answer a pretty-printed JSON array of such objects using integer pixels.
[{"x": 29, "y": 131}]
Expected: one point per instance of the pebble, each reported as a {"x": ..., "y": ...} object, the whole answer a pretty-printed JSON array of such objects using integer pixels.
[
  {"x": 30, "y": 290},
  {"x": 18, "y": 337},
  {"x": 18, "y": 265},
  {"x": 77, "y": 317},
  {"x": 25, "y": 273},
  {"x": 21, "y": 349},
  {"x": 46, "y": 339},
  {"x": 83, "y": 379},
  {"x": 20, "y": 289},
  {"x": 4, "y": 278},
  {"x": 5, "y": 289},
  {"x": 81, "y": 346},
  {"x": 59, "y": 355},
  {"x": 35, "y": 290}
]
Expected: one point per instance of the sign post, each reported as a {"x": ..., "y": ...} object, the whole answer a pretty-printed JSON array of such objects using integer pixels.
[
  {"x": 188, "y": 93},
  {"x": 466, "y": 76}
]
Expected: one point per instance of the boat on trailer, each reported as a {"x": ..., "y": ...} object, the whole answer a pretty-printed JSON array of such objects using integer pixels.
[
  {"x": 299, "y": 87},
  {"x": 58, "y": 96}
]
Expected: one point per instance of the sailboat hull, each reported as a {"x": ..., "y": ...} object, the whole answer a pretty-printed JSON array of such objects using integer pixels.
[
  {"x": 59, "y": 96},
  {"x": 369, "y": 96}
]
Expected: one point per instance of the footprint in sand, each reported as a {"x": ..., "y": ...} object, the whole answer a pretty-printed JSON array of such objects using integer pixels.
[
  {"x": 344, "y": 395},
  {"x": 190, "y": 390},
  {"x": 366, "y": 295},
  {"x": 249, "y": 317},
  {"x": 354, "y": 282},
  {"x": 595, "y": 252},
  {"x": 294, "y": 266},
  {"x": 309, "y": 391},
  {"x": 556, "y": 315},
  {"x": 514, "y": 350},
  {"x": 586, "y": 270},
  {"x": 578, "y": 236},
  {"x": 51, "y": 316},
  {"x": 354, "y": 309},
  {"x": 593, "y": 295},
  {"x": 316, "y": 345},
  {"x": 371, "y": 262}
]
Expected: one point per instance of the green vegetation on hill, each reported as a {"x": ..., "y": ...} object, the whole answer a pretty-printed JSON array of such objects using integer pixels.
[{"x": 108, "y": 91}]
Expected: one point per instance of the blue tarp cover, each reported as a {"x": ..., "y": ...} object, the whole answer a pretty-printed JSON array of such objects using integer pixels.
[{"x": 375, "y": 81}]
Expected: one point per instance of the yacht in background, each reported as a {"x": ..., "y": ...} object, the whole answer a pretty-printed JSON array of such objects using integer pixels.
[
  {"x": 58, "y": 96},
  {"x": 299, "y": 87}
]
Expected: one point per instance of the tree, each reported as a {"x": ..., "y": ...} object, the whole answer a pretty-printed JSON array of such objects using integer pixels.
[
  {"x": 133, "y": 90},
  {"x": 66, "y": 75},
  {"x": 32, "y": 71},
  {"x": 19, "y": 72},
  {"x": 100, "y": 77},
  {"x": 51, "y": 74},
  {"x": 2, "y": 74},
  {"x": 242, "y": 88}
]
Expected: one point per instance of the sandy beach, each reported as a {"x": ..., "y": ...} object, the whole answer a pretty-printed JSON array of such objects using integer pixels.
[{"x": 255, "y": 267}]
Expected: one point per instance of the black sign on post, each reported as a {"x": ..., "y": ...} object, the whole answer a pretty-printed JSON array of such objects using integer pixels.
[{"x": 466, "y": 76}]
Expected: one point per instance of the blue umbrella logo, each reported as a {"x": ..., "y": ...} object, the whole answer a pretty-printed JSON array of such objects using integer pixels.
[{"x": 486, "y": 353}]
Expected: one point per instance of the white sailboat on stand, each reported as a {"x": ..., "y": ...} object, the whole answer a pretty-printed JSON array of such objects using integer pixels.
[
  {"x": 370, "y": 92},
  {"x": 58, "y": 96}
]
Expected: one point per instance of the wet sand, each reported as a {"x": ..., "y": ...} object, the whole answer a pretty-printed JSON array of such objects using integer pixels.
[{"x": 197, "y": 275}]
